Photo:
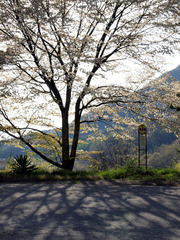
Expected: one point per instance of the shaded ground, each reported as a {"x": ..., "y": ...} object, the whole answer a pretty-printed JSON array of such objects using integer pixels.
[{"x": 89, "y": 210}]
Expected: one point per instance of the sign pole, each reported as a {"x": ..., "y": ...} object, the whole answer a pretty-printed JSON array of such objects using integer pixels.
[
  {"x": 139, "y": 152},
  {"x": 146, "y": 150},
  {"x": 142, "y": 144}
]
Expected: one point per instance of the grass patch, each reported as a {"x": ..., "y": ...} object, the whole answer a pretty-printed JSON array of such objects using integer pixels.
[
  {"x": 119, "y": 173},
  {"x": 141, "y": 174}
]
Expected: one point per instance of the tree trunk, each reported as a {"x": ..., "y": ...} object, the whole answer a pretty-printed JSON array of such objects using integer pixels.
[
  {"x": 66, "y": 163},
  {"x": 68, "y": 159},
  {"x": 76, "y": 137}
]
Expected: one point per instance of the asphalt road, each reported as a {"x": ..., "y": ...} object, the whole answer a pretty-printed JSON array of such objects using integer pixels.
[{"x": 88, "y": 211}]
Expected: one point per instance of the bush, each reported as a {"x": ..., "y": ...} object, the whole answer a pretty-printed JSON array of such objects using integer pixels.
[
  {"x": 22, "y": 165},
  {"x": 177, "y": 166}
]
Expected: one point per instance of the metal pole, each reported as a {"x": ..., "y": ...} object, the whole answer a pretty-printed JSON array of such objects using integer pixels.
[
  {"x": 146, "y": 150},
  {"x": 139, "y": 149},
  {"x": 142, "y": 144}
]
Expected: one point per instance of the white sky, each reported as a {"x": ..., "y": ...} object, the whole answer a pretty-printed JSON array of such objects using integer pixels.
[
  {"x": 135, "y": 72},
  {"x": 171, "y": 62}
]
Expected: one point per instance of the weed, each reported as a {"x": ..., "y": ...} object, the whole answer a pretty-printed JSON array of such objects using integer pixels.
[{"x": 22, "y": 165}]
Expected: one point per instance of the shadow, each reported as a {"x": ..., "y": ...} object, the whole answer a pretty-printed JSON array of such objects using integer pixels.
[{"x": 88, "y": 210}]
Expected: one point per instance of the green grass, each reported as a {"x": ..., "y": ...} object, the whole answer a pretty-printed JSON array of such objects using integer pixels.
[{"x": 119, "y": 173}]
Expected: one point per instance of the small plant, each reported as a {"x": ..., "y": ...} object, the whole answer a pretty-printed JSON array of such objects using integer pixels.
[
  {"x": 177, "y": 166},
  {"x": 131, "y": 162},
  {"x": 22, "y": 165}
]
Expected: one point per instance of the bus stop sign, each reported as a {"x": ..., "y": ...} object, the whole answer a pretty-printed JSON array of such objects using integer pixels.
[{"x": 142, "y": 129}]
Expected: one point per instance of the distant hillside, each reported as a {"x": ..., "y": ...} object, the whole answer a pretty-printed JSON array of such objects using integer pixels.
[
  {"x": 176, "y": 73},
  {"x": 7, "y": 150}
]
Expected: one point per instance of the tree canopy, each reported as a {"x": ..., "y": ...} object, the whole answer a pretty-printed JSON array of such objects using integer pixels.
[{"x": 57, "y": 54}]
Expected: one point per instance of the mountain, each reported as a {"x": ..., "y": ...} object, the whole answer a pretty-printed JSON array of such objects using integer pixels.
[
  {"x": 7, "y": 150},
  {"x": 176, "y": 73}
]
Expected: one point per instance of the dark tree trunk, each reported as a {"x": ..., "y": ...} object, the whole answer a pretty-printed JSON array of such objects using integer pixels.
[
  {"x": 68, "y": 159},
  {"x": 66, "y": 163},
  {"x": 76, "y": 137}
]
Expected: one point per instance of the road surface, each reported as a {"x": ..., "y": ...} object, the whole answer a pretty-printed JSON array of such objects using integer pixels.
[{"x": 106, "y": 210}]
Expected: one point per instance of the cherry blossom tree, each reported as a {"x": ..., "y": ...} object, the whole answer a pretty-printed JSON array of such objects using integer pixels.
[{"x": 57, "y": 58}]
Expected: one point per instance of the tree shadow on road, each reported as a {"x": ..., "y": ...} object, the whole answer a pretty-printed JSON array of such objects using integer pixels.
[{"x": 88, "y": 210}]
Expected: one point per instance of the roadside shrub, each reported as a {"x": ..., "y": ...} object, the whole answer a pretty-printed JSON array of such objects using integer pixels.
[
  {"x": 177, "y": 166},
  {"x": 131, "y": 162},
  {"x": 22, "y": 165},
  {"x": 112, "y": 153}
]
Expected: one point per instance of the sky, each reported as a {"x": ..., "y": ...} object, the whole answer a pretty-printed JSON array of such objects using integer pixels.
[
  {"x": 129, "y": 72},
  {"x": 172, "y": 62}
]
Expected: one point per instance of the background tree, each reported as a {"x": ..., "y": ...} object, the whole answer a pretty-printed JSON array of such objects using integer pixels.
[
  {"x": 61, "y": 52},
  {"x": 165, "y": 156},
  {"x": 112, "y": 153}
]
